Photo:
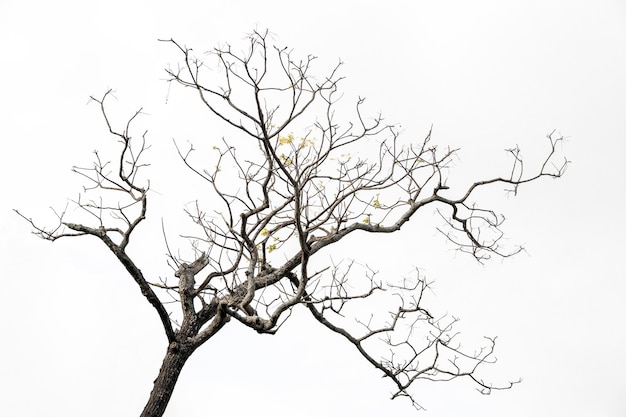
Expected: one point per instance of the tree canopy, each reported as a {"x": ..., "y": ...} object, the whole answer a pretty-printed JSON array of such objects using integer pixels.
[{"x": 300, "y": 172}]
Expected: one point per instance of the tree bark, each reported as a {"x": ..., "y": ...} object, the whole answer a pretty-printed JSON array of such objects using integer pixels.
[{"x": 175, "y": 358}]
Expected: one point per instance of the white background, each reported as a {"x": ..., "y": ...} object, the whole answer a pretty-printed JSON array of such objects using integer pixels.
[{"x": 78, "y": 339}]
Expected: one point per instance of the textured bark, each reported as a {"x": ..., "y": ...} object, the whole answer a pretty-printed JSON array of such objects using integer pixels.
[{"x": 173, "y": 363}]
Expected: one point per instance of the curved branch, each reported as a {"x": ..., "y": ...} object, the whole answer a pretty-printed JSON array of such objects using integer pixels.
[{"x": 134, "y": 272}]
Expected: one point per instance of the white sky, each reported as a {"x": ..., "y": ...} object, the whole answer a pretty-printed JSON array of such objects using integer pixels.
[{"x": 79, "y": 340}]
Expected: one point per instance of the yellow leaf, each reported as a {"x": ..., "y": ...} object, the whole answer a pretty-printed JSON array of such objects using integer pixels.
[
  {"x": 304, "y": 142},
  {"x": 285, "y": 140},
  {"x": 366, "y": 220},
  {"x": 271, "y": 247},
  {"x": 285, "y": 159},
  {"x": 264, "y": 232},
  {"x": 376, "y": 203}
]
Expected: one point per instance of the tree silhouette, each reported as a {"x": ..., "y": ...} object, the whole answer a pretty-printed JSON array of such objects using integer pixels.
[{"x": 296, "y": 180}]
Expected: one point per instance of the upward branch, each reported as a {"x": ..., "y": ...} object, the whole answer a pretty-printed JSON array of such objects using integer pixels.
[{"x": 113, "y": 220}]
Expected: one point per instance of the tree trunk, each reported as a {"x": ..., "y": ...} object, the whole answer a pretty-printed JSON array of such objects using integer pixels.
[{"x": 173, "y": 363}]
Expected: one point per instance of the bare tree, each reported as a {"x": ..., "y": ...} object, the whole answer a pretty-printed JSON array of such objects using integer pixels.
[{"x": 299, "y": 180}]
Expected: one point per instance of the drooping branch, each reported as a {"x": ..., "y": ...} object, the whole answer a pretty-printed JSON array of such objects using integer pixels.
[{"x": 432, "y": 356}]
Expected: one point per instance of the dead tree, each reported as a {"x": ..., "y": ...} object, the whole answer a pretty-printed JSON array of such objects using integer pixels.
[{"x": 295, "y": 179}]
